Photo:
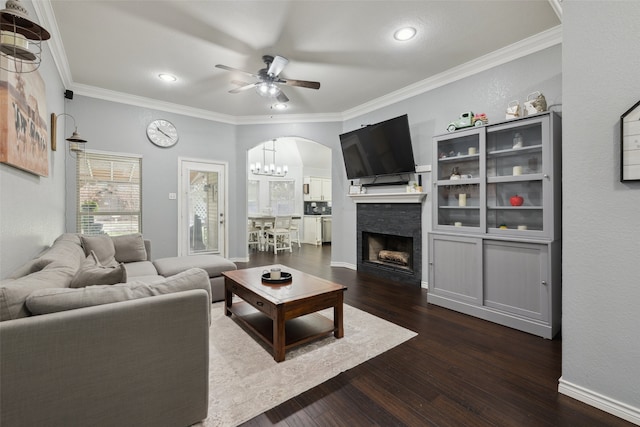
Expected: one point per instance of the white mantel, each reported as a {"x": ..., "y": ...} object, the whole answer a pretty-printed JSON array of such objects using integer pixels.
[{"x": 388, "y": 197}]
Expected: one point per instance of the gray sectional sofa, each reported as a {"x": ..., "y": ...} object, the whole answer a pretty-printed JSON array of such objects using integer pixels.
[{"x": 92, "y": 332}]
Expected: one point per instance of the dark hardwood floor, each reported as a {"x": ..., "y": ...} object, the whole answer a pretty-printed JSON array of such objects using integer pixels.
[{"x": 458, "y": 371}]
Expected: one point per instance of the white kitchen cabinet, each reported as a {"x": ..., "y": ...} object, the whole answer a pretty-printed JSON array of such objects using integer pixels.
[
  {"x": 319, "y": 189},
  {"x": 312, "y": 229}
]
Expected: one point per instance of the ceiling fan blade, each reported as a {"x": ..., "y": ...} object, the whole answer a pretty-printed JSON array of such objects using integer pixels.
[
  {"x": 277, "y": 65},
  {"x": 282, "y": 97},
  {"x": 246, "y": 86},
  {"x": 300, "y": 83},
  {"x": 224, "y": 67}
]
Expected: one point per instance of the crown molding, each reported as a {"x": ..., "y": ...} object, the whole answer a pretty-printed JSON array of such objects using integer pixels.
[
  {"x": 289, "y": 118},
  {"x": 525, "y": 47},
  {"x": 47, "y": 18},
  {"x": 509, "y": 53},
  {"x": 154, "y": 104},
  {"x": 557, "y": 8}
]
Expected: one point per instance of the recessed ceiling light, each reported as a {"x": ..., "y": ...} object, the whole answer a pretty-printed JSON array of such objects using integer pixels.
[
  {"x": 279, "y": 106},
  {"x": 404, "y": 34},
  {"x": 167, "y": 77}
]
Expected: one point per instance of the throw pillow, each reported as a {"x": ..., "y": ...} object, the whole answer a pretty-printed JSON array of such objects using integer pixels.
[
  {"x": 93, "y": 273},
  {"x": 102, "y": 245},
  {"x": 129, "y": 248}
]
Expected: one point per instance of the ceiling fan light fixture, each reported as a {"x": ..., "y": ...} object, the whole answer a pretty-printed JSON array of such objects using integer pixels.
[
  {"x": 404, "y": 34},
  {"x": 268, "y": 89}
]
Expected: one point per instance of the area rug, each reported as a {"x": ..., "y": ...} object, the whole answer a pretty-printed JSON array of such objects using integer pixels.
[{"x": 245, "y": 381}]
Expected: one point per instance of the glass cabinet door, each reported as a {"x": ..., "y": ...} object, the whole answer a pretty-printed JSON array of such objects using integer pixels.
[
  {"x": 516, "y": 178},
  {"x": 458, "y": 190}
]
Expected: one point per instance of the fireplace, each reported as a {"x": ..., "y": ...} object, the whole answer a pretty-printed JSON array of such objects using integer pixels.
[
  {"x": 389, "y": 241},
  {"x": 387, "y": 249}
]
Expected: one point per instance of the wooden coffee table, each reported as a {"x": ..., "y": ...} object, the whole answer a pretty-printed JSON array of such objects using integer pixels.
[{"x": 284, "y": 315}]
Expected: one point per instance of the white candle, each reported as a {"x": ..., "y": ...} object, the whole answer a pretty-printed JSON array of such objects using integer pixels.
[
  {"x": 462, "y": 200},
  {"x": 517, "y": 170},
  {"x": 472, "y": 150},
  {"x": 458, "y": 224},
  {"x": 522, "y": 227}
]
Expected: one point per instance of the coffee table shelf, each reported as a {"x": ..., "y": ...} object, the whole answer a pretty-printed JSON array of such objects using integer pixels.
[{"x": 299, "y": 330}]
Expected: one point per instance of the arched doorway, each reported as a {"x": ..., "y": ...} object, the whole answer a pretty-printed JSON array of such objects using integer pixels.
[{"x": 298, "y": 184}]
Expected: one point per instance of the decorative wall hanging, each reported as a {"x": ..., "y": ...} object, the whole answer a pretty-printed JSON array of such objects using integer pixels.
[
  {"x": 23, "y": 111},
  {"x": 630, "y": 144}
]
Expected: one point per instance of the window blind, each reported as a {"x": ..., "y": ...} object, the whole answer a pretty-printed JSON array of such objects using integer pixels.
[
  {"x": 109, "y": 193},
  {"x": 282, "y": 199}
]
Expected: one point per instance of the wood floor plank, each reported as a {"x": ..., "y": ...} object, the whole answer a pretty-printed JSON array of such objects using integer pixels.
[{"x": 458, "y": 371}]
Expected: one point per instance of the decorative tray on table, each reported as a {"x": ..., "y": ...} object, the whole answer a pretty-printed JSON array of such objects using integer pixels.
[{"x": 284, "y": 278}]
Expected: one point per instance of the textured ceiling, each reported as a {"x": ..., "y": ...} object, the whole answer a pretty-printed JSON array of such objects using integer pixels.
[{"x": 121, "y": 46}]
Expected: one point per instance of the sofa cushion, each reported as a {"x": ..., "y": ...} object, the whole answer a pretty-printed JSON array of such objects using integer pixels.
[
  {"x": 46, "y": 301},
  {"x": 65, "y": 251},
  {"x": 92, "y": 273},
  {"x": 14, "y": 292},
  {"x": 214, "y": 265},
  {"x": 102, "y": 245},
  {"x": 140, "y": 268},
  {"x": 129, "y": 248}
]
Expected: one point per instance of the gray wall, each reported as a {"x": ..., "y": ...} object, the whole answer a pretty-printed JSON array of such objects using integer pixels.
[
  {"x": 326, "y": 134},
  {"x": 121, "y": 128},
  {"x": 601, "y": 242},
  {"x": 429, "y": 114},
  {"x": 32, "y": 208}
]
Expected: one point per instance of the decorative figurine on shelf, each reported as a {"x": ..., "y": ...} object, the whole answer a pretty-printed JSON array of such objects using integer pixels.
[
  {"x": 455, "y": 174},
  {"x": 503, "y": 226},
  {"x": 513, "y": 110},
  {"x": 516, "y": 200},
  {"x": 535, "y": 103},
  {"x": 468, "y": 119},
  {"x": 517, "y": 140}
]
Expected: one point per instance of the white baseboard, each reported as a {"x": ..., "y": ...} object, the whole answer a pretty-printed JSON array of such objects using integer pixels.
[
  {"x": 239, "y": 259},
  {"x": 597, "y": 400},
  {"x": 424, "y": 285},
  {"x": 344, "y": 265}
]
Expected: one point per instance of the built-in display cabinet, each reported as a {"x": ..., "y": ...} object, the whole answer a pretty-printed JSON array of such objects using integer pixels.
[{"x": 495, "y": 247}]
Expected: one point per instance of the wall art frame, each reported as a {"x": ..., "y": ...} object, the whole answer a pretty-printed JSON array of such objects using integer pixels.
[
  {"x": 630, "y": 144},
  {"x": 24, "y": 138}
]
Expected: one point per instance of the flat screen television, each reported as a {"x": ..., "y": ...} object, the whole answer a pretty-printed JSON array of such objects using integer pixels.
[{"x": 380, "y": 149}]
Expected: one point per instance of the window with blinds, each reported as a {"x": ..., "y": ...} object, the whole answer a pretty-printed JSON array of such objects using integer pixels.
[
  {"x": 109, "y": 193},
  {"x": 282, "y": 198},
  {"x": 253, "y": 197}
]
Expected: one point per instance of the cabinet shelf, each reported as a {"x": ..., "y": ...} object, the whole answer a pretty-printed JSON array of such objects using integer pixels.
[
  {"x": 516, "y": 178},
  {"x": 514, "y": 151},
  {"x": 515, "y": 208},
  {"x": 457, "y": 182},
  {"x": 460, "y": 207},
  {"x": 458, "y": 158}
]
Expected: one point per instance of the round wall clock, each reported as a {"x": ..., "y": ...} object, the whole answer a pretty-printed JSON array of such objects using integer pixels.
[{"x": 162, "y": 133}]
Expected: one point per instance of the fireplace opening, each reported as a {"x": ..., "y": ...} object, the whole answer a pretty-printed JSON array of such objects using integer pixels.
[{"x": 388, "y": 250}]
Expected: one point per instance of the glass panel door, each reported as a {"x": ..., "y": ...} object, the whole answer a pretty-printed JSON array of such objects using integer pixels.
[
  {"x": 458, "y": 188},
  {"x": 203, "y": 216}
]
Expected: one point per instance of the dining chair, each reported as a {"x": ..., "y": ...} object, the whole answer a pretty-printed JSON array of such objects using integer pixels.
[
  {"x": 295, "y": 231},
  {"x": 279, "y": 236},
  {"x": 254, "y": 232}
]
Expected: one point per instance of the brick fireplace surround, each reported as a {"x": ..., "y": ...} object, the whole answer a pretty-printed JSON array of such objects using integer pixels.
[{"x": 398, "y": 220}]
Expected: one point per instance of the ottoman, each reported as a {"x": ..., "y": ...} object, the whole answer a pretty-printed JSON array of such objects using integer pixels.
[{"x": 214, "y": 265}]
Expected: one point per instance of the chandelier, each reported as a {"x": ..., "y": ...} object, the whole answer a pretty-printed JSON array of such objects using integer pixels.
[
  {"x": 268, "y": 169},
  {"x": 20, "y": 39}
]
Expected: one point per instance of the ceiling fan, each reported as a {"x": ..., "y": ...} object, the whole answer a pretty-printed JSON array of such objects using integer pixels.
[{"x": 269, "y": 79}]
